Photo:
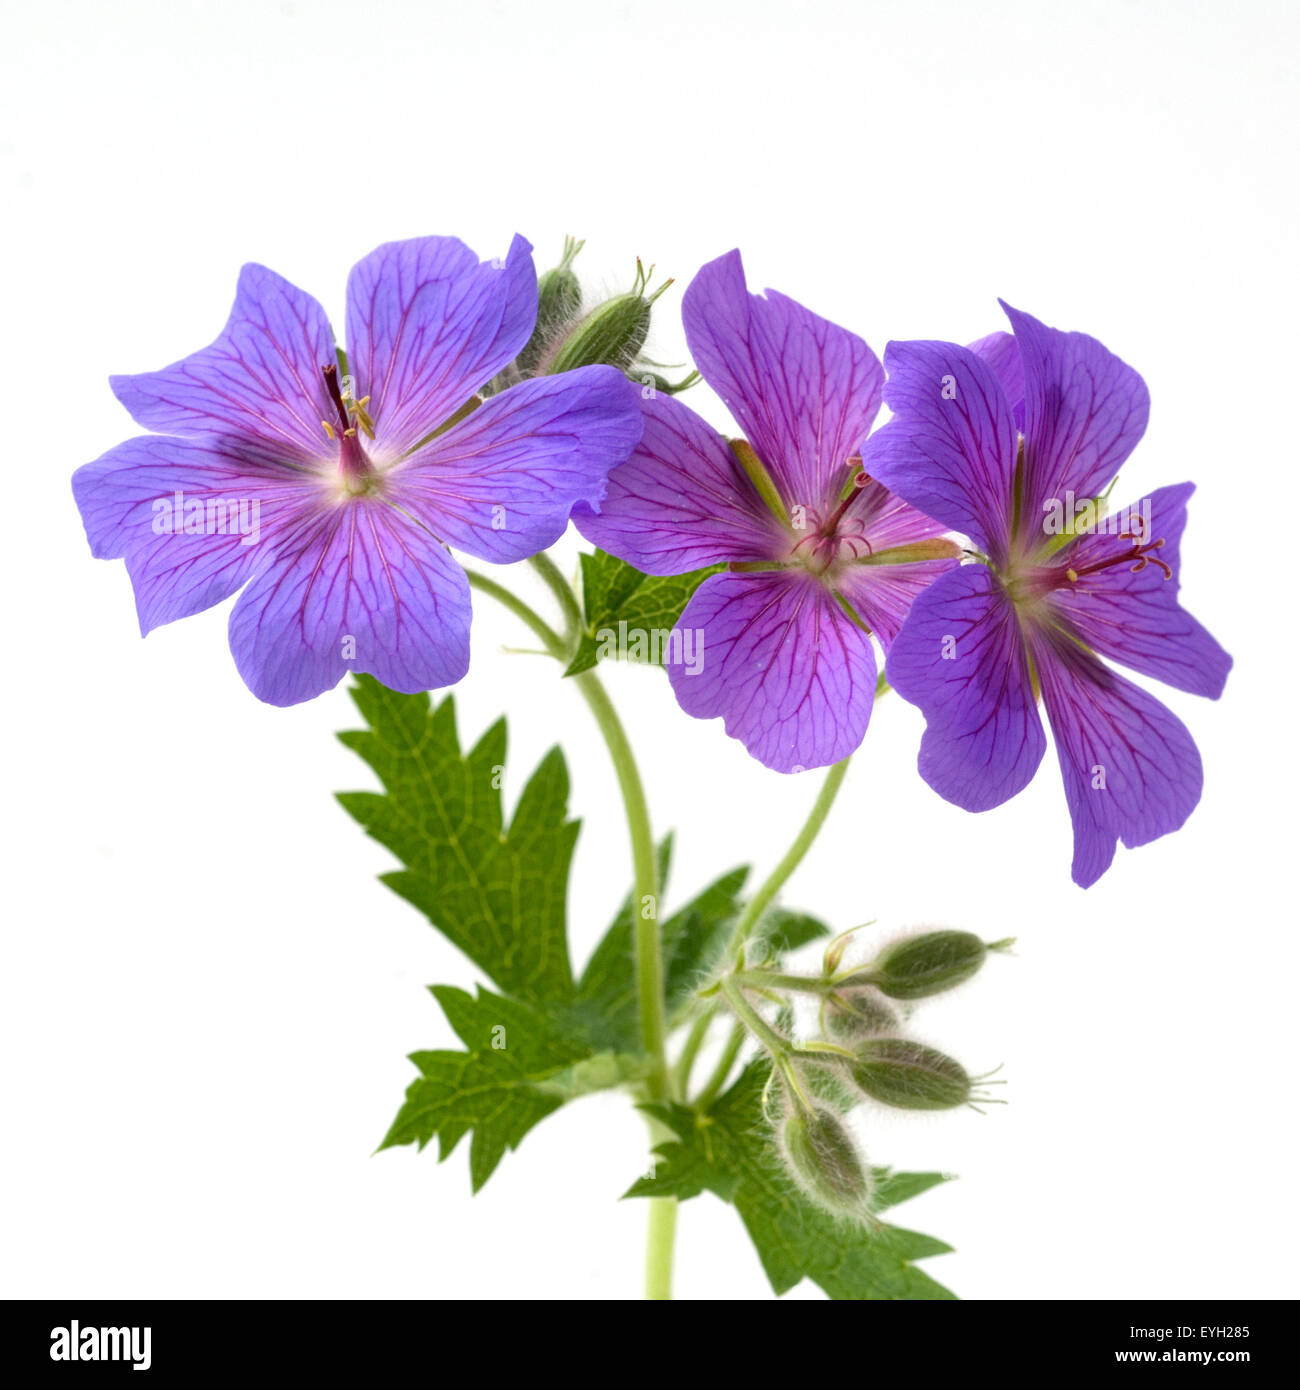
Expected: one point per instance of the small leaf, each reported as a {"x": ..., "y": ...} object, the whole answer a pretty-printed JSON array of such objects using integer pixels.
[{"x": 615, "y": 593}]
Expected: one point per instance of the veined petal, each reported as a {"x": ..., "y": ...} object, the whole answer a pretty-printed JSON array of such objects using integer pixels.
[
  {"x": 1131, "y": 614},
  {"x": 357, "y": 587},
  {"x": 803, "y": 390},
  {"x": 1000, "y": 351},
  {"x": 1085, "y": 410},
  {"x": 428, "y": 325},
  {"x": 502, "y": 482},
  {"x": 950, "y": 448},
  {"x": 681, "y": 501},
  {"x": 960, "y": 658},
  {"x": 886, "y": 520},
  {"x": 192, "y": 517},
  {"x": 261, "y": 378},
  {"x": 883, "y": 593},
  {"x": 1131, "y": 770},
  {"x": 775, "y": 656}
]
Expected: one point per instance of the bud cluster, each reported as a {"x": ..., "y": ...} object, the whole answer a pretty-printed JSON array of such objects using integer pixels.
[
  {"x": 569, "y": 334},
  {"x": 861, "y": 1056}
]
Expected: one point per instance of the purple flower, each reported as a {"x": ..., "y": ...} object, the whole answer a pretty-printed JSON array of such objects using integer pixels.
[
  {"x": 329, "y": 496},
  {"x": 819, "y": 556},
  {"x": 1014, "y": 441}
]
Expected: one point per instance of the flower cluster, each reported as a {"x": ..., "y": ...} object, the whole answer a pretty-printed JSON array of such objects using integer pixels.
[{"x": 968, "y": 541}]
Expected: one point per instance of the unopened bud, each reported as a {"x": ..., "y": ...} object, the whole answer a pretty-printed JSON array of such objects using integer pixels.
[
  {"x": 909, "y": 1075},
  {"x": 858, "y": 1012},
  {"x": 611, "y": 334},
  {"x": 825, "y": 1161},
  {"x": 927, "y": 964},
  {"x": 559, "y": 302}
]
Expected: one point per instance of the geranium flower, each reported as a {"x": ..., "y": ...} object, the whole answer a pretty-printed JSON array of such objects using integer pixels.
[
  {"x": 819, "y": 556},
  {"x": 328, "y": 488},
  {"x": 1013, "y": 442}
]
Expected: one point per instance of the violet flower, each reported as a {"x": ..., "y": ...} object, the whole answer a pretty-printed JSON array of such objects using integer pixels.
[
  {"x": 1013, "y": 442},
  {"x": 819, "y": 557},
  {"x": 328, "y": 488}
]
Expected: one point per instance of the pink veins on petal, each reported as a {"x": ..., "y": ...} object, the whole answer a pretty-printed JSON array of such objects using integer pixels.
[{"x": 328, "y": 489}]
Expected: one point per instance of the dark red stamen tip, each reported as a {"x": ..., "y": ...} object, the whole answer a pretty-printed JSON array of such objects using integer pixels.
[
  {"x": 331, "y": 374},
  {"x": 1137, "y": 552}
]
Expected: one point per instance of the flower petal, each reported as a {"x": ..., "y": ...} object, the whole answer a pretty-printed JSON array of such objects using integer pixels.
[
  {"x": 960, "y": 657},
  {"x": 999, "y": 350},
  {"x": 681, "y": 501},
  {"x": 356, "y": 587},
  {"x": 882, "y": 594},
  {"x": 1131, "y": 770},
  {"x": 192, "y": 517},
  {"x": 502, "y": 482},
  {"x": 1085, "y": 410},
  {"x": 261, "y": 378},
  {"x": 775, "y": 656},
  {"x": 428, "y": 325},
  {"x": 950, "y": 448},
  {"x": 803, "y": 390},
  {"x": 1134, "y": 617}
]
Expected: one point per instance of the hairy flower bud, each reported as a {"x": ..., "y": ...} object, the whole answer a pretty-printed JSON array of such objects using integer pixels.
[
  {"x": 927, "y": 964},
  {"x": 559, "y": 302},
  {"x": 909, "y": 1075},
  {"x": 859, "y": 1011},
  {"x": 612, "y": 334},
  {"x": 825, "y": 1161}
]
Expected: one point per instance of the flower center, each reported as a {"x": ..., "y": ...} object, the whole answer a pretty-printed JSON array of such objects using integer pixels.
[
  {"x": 356, "y": 473},
  {"x": 837, "y": 537}
]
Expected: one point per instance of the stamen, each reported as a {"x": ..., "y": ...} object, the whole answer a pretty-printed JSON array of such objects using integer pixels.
[
  {"x": 1139, "y": 552},
  {"x": 331, "y": 374}
]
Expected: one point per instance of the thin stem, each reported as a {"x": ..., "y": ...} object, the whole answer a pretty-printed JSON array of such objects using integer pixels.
[
  {"x": 775, "y": 979},
  {"x": 690, "y": 1050},
  {"x": 792, "y": 858},
  {"x": 718, "y": 1078},
  {"x": 645, "y": 902},
  {"x": 660, "y": 1235},
  {"x": 777, "y": 1047},
  {"x": 563, "y": 591}
]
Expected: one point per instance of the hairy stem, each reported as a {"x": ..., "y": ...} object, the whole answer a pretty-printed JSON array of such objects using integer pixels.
[
  {"x": 792, "y": 858},
  {"x": 645, "y": 900}
]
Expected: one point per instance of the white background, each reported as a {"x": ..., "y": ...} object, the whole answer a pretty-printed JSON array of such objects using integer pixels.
[{"x": 207, "y": 997}]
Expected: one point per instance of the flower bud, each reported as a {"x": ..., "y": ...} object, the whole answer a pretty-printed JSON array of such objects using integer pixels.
[
  {"x": 909, "y": 1075},
  {"x": 612, "y": 334},
  {"x": 858, "y": 1012},
  {"x": 824, "y": 1160},
  {"x": 559, "y": 302},
  {"x": 927, "y": 964}
]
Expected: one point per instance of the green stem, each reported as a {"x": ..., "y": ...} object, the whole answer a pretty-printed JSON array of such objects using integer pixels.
[
  {"x": 645, "y": 902},
  {"x": 690, "y": 1050},
  {"x": 792, "y": 858},
  {"x": 563, "y": 591},
  {"x": 718, "y": 1079}
]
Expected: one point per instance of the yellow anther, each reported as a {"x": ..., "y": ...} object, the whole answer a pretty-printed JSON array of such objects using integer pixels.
[
  {"x": 1072, "y": 576},
  {"x": 328, "y": 428}
]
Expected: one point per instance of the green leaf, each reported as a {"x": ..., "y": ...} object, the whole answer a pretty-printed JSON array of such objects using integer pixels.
[
  {"x": 691, "y": 939},
  {"x": 613, "y": 592},
  {"x": 499, "y": 893},
  {"x": 520, "y": 1065},
  {"x": 730, "y": 1152},
  {"x": 785, "y": 931}
]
